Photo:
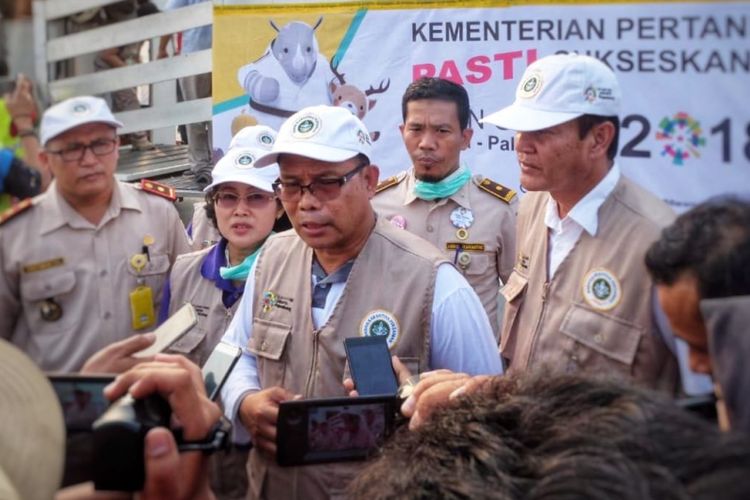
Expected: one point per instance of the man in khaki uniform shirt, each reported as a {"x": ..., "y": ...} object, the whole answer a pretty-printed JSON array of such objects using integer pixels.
[
  {"x": 342, "y": 272},
  {"x": 579, "y": 297},
  {"x": 84, "y": 263},
  {"x": 471, "y": 219}
]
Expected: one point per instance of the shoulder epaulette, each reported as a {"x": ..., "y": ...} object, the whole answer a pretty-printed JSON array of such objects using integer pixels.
[
  {"x": 389, "y": 182},
  {"x": 159, "y": 189},
  {"x": 497, "y": 190},
  {"x": 16, "y": 209}
]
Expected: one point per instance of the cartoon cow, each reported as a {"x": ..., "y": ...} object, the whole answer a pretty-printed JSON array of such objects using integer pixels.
[
  {"x": 290, "y": 75},
  {"x": 352, "y": 98}
]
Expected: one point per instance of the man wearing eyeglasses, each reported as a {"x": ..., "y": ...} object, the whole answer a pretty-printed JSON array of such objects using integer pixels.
[
  {"x": 342, "y": 272},
  {"x": 83, "y": 264}
]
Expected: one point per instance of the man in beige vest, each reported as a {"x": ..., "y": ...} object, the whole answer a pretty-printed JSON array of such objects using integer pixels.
[
  {"x": 83, "y": 264},
  {"x": 470, "y": 218},
  {"x": 342, "y": 272},
  {"x": 579, "y": 297}
]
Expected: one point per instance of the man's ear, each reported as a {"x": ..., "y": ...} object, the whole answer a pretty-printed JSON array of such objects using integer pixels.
[
  {"x": 466, "y": 135},
  {"x": 372, "y": 175},
  {"x": 602, "y": 136}
]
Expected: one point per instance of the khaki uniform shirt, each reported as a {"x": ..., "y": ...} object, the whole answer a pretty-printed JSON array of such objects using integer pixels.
[
  {"x": 595, "y": 314},
  {"x": 52, "y": 258},
  {"x": 391, "y": 286},
  {"x": 487, "y": 252}
]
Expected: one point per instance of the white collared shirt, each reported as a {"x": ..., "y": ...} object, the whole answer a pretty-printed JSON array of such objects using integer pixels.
[{"x": 584, "y": 216}]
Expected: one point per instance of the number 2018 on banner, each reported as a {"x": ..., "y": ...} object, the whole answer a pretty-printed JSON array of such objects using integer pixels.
[{"x": 681, "y": 137}]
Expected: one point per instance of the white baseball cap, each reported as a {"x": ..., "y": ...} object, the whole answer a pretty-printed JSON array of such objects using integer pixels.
[
  {"x": 238, "y": 165},
  {"x": 72, "y": 113},
  {"x": 254, "y": 136},
  {"x": 558, "y": 88},
  {"x": 325, "y": 133}
]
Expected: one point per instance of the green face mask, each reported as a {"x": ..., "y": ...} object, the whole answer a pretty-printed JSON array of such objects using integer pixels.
[
  {"x": 240, "y": 271},
  {"x": 444, "y": 188}
]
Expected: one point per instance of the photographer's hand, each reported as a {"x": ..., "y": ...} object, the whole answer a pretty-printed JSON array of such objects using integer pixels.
[
  {"x": 180, "y": 382},
  {"x": 259, "y": 413},
  {"x": 435, "y": 390},
  {"x": 117, "y": 357}
]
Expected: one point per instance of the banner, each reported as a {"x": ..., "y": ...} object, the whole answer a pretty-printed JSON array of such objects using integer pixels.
[{"x": 684, "y": 69}]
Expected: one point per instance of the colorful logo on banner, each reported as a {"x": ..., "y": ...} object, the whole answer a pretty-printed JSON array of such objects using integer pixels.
[{"x": 682, "y": 136}]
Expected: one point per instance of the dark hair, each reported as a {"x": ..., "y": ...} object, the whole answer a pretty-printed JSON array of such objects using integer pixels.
[
  {"x": 437, "y": 88},
  {"x": 587, "y": 122},
  {"x": 542, "y": 435},
  {"x": 711, "y": 241}
]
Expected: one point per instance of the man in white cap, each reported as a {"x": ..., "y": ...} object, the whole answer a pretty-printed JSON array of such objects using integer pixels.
[
  {"x": 83, "y": 264},
  {"x": 579, "y": 296},
  {"x": 342, "y": 272}
]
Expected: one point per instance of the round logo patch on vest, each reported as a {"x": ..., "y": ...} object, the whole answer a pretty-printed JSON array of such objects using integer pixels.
[
  {"x": 306, "y": 126},
  {"x": 601, "y": 289},
  {"x": 380, "y": 323},
  {"x": 530, "y": 86},
  {"x": 245, "y": 160}
]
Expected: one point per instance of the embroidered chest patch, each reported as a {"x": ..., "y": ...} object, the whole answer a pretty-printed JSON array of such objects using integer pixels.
[
  {"x": 380, "y": 323},
  {"x": 601, "y": 289}
]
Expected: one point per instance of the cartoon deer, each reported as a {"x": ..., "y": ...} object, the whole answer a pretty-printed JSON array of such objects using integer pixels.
[{"x": 358, "y": 102}]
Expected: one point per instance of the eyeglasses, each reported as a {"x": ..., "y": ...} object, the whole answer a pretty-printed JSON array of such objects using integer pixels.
[
  {"x": 225, "y": 199},
  {"x": 76, "y": 152},
  {"x": 324, "y": 189}
]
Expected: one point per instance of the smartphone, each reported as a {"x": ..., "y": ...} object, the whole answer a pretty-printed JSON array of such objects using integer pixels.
[
  {"x": 370, "y": 365},
  {"x": 82, "y": 400},
  {"x": 217, "y": 367},
  {"x": 171, "y": 330},
  {"x": 334, "y": 429}
]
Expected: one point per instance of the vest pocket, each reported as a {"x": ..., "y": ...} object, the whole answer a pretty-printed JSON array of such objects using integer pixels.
[
  {"x": 188, "y": 344},
  {"x": 513, "y": 292},
  {"x": 268, "y": 344},
  {"x": 612, "y": 337}
]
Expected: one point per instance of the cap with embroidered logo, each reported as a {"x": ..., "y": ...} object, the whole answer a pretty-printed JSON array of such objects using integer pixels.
[
  {"x": 254, "y": 136},
  {"x": 238, "y": 165},
  {"x": 325, "y": 133},
  {"x": 72, "y": 113},
  {"x": 559, "y": 88}
]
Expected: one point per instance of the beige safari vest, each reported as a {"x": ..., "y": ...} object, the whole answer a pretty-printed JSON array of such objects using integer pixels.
[
  {"x": 203, "y": 233},
  {"x": 594, "y": 315},
  {"x": 188, "y": 285},
  {"x": 393, "y": 277}
]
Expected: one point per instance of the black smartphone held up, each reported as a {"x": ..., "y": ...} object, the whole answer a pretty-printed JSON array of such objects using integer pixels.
[
  {"x": 82, "y": 400},
  {"x": 217, "y": 367},
  {"x": 334, "y": 429},
  {"x": 370, "y": 365}
]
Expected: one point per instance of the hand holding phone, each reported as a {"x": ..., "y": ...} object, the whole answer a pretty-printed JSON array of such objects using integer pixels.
[
  {"x": 370, "y": 365},
  {"x": 171, "y": 330}
]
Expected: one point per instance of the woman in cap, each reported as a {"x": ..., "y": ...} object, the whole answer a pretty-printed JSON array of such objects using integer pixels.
[{"x": 240, "y": 203}]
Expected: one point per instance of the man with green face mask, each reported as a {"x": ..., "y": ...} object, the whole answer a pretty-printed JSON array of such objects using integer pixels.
[{"x": 470, "y": 218}]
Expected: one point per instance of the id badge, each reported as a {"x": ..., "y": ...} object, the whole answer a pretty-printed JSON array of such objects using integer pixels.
[{"x": 142, "y": 307}]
